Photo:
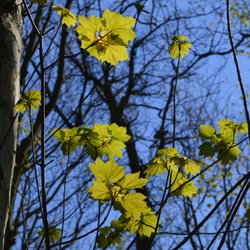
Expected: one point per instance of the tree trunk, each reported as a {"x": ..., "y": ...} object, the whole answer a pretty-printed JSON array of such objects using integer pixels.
[{"x": 10, "y": 52}]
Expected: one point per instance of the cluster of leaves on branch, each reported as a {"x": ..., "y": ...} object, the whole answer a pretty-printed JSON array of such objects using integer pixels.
[
  {"x": 222, "y": 143},
  {"x": 178, "y": 167}
]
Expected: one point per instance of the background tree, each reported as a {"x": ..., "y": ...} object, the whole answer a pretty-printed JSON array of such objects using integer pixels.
[{"x": 139, "y": 95}]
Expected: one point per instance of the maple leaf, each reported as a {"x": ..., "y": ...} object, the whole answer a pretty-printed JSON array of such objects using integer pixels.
[
  {"x": 180, "y": 46},
  {"x": 100, "y": 191},
  {"x": 131, "y": 181},
  {"x": 106, "y": 38},
  {"x": 105, "y": 139},
  {"x": 134, "y": 204},
  {"x": 30, "y": 100},
  {"x": 54, "y": 233},
  {"x": 179, "y": 179},
  {"x": 191, "y": 167},
  {"x": 68, "y": 18},
  {"x": 147, "y": 224},
  {"x": 107, "y": 171},
  {"x": 69, "y": 138}
]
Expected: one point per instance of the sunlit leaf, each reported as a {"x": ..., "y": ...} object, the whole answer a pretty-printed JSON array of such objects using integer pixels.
[
  {"x": 157, "y": 166},
  {"x": 68, "y": 18},
  {"x": 134, "y": 204},
  {"x": 106, "y": 38},
  {"x": 191, "y": 167},
  {"x": 180, "y": 46},
  {"x": 69, "y": 138},
  {"x": 147, "y": 224},
  {"x": 132, "y": 181},
  {"x": 100, "y": 191},
  {"x": 206, "y": 131},
  {"x": 106, "y": 139},
  {"x": 30, "y": 100},
  {"x": 107, "y": 171},
  {"x": 187, "y": 189}
]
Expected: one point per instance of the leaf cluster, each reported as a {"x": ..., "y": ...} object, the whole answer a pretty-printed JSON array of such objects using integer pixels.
[
  {"x": 222, "y": 143},
  {"x": 112, "y": 184},
  {"x": 178, "y": 167}
]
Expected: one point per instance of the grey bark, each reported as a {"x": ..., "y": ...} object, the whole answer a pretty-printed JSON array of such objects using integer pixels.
[{"x": 10, "y": 53}]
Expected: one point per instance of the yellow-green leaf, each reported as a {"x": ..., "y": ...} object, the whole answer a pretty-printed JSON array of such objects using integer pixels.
[
  {"x": 147, "y": 225},
  {"x": 54, "y": 233},
  {"x": 187, "y": 189},
  {"x": 30, "y": 100},
  {"x": 119, "y": 25},
  {"x": 107, "y": 171},
  {"x": 131, "y": 181},
  {"x": 180, "y": 46},
  {"x": 206, "y": 131},
  {"x": 68, "y": 18},
  {"x": 106, "y": 38},
  {"x": 100, "y": 191},
  {"x": 192, "y": 167},
  {"x": 134, "y": 204}
]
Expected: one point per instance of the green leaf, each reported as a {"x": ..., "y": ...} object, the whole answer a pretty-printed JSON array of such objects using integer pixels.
[
  {"x": 243, "y": 128},
  {"x": 54, "y": 233},
  {"x": 178, "y": 179},
  {"x": 147, "y": 225},
  {"x": 179, "y": 47},
  {"x": 162, "y": 162},
  {"x": 107, "y": 171},
  {"x": 134, "y": 204},
  {"x": 119, "y": 25},
  {"x": 206, "y": 149},
  {"x": 247, "y": 215},
  {"x": 68, "y": 18},
  {"x": 131, "y": 181},
  {"x": 30, "y": 100},
  {"x": 206, "y": 131},
  {"x": 119, "y": 133},
  {"x": 100, "y": 191},
  {"x": 108, "y": 236},
  {"x": 105, "y": 139},
  {"x": 192, "y": 167},
  {"x": 106, "y": 38},
  {"x": 157, "y": 166},
  {"x": 231, "y": 155},
  {"x": 69, "y": 138}
]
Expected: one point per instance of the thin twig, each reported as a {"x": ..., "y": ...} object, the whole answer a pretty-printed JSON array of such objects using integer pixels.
[{"x": 238, "y": 69}]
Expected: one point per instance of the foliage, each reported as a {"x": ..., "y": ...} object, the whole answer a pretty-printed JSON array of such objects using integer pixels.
[
  {"x": 54, "y": 233},
  {"x": 180, "y": 46},
  {"x": 224, "y": 142},
  {"x": 68, "y": 18},
  {"x": 178, "y": 166},
  {"x": 125, "y": 192},
  {"x": 106, "y": 38},
  {"x": 30, "y": 100},
  {"x": 100, "y": 140}
]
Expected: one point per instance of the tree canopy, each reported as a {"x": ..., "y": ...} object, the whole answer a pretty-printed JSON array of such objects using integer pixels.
[{"x": 126, "y": 134}]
